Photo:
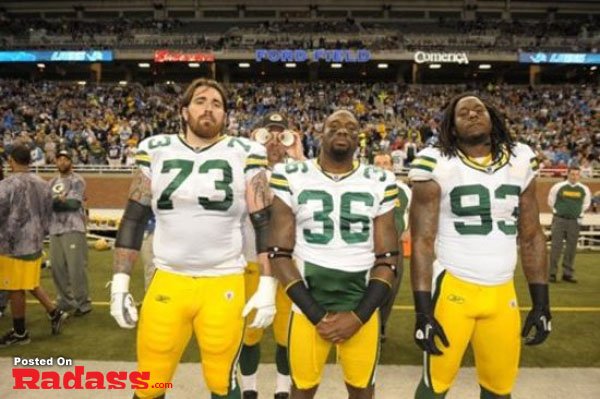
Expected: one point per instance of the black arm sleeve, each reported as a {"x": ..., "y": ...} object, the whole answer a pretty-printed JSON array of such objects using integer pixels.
[
  {"x": 260, "y": 221},
  {"x": 299, "y": 294},
  {"x": 133, "y": 225},
  {"x": 377, "y": 292}
]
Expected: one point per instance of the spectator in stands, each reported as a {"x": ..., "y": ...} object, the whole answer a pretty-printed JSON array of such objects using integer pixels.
[
  {"x": 25, "y": 207},
  {"x": 82, "y": 114},
  {"x": 68, "y": 244},
  {"x": 114, "y": 153},
  {"x": 568, "y": 200}
]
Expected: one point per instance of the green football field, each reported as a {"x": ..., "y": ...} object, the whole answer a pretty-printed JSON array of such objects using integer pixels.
[{"x": 573, "y": 342}]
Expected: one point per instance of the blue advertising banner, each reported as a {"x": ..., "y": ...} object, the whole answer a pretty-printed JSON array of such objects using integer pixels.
[
  {"x": 559, "y": 58},
  {"x": 49, "y": 56}
]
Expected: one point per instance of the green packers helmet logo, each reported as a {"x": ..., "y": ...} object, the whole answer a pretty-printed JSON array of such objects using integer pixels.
[
  {"x": 58, "y": 188},
  {"x": 275, "y": 118}
]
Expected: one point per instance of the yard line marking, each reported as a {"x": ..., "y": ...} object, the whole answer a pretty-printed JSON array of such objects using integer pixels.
[{"x": 566, "y": 309}]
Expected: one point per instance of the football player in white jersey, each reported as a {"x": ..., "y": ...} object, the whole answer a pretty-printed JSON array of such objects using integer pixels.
[
  {"x": 282, "y": 145},
  {"x": 199, "y": 185},
  {"x": 335, "y": 217},
  {"x": 473, "y": 200}
]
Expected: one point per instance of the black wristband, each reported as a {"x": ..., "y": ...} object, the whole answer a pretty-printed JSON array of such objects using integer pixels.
[
  {"x": 300, "y": 295},
  {"x": 540, "y": 296},
  {"x": 278, "y": 252},
  {"x": 393, "y": 268},
  {"x": 260, "y": 221},
  {"x": 423, "y": 302},
  {"x": 377, "y": 293},
  {"x": 386, "y": 255}
]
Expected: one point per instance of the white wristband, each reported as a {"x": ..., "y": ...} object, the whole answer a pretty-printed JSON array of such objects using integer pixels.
[
  {"x": 120, "y": 283},
  {"x": 268, "y": 282}
]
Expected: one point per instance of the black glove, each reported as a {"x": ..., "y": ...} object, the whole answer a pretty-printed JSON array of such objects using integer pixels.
[
  {"x": 426, "y": 326},
  {"x": 539, "y": 316}
]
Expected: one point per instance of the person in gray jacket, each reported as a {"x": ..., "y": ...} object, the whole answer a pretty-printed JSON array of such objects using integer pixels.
[
  {"x": 68, "y": 244},
  {"x": 568, "y": 199}
]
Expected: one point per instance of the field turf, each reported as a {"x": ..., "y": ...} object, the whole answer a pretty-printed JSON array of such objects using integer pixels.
[{"x": 573, "y": 342}]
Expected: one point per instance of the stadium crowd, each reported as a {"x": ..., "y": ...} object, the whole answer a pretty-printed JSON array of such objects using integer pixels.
[
  {"x": 102, "y": 124},
  {"x": 480, "y": 34}
]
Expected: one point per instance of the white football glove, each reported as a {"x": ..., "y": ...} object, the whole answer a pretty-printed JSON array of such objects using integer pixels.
[
  {"x": 122, "y": 306},
  {"x": 263, "y": 301}
]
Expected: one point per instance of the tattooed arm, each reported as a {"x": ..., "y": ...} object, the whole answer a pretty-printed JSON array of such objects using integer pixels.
[
  {"x": 134, "y": 221},
  {"x": 127, "y": 248},
  {"x": 259, "y": 198},
  {"x": 258, "y": 193}
]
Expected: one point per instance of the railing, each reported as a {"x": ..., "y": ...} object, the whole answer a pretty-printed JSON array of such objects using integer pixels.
[
  {"x": 106, "y": 221},
  {"x": 123, "y": 169}
]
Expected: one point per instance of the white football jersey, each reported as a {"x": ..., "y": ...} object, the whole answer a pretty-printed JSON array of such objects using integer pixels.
[
  {"x": 199, "y": 199},
  {"x": 479, "y": 208},
  {"x": 334, "y": 218}
]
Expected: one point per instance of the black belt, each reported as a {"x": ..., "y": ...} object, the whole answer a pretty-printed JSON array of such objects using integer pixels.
[{"x": 565, "y": 217}]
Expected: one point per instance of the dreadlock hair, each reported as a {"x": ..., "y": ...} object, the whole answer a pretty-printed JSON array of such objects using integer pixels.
[{"x": 500, "y": 136}]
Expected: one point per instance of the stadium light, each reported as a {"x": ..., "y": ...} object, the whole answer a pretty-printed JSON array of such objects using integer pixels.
[
  {"x": 41, "y": 66},
  {"x": 144, "y": 65},
  {"x": 485, "y": 66},
  {"x": 123, "y": 83},
  {"x": 593, "y": 68},
  {"x": 82, "y": 83},
  {"x": 244, "y": 65},
  {"x": 435, "y": 66},
  {"x": 382, "y": 66},
  {"x": 335, "y": 65},
  {"x": 290, "y": 65},
  {"x": 194, "y": 65}
]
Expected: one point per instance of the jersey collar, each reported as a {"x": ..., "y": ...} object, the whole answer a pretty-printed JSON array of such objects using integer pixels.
[
  {"x": 493, "y": 166},
  {"x": 199, "y": 150},
  {"x": 337, "y": 177}
]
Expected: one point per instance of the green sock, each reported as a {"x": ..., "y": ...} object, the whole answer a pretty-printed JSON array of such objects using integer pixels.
[
  {"x": 485, "y": 394},
  {"x": 249, "y": 359},
  {"x": 425, "y": 392},
  {"x": 281, "y": 359},
  {"x": 234, "y": 394}
]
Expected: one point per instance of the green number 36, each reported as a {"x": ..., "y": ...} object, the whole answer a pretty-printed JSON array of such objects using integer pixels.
[{"x": 347, "y": 218}]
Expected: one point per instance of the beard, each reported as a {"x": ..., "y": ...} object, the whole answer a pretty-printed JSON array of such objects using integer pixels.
[
  {"x": 475, "y": 139},
  {"x": 340, "y": 154},
  {"x": 204, "y": 130}
]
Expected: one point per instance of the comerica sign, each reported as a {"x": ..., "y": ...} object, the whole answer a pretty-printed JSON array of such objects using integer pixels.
[{"x": 422, "y": 57}]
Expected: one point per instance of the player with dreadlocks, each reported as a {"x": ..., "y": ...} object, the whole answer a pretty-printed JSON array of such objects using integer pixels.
[{"x": 473, "y": 198}]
